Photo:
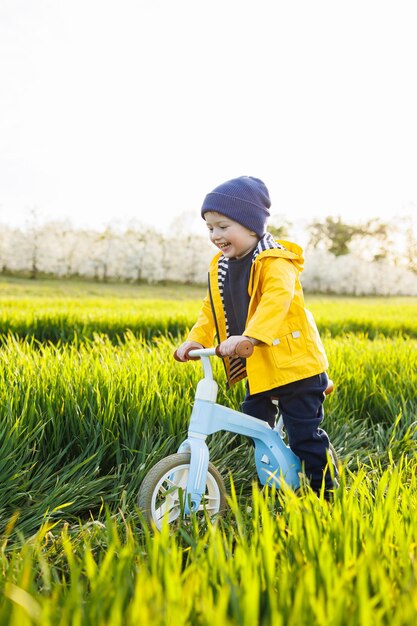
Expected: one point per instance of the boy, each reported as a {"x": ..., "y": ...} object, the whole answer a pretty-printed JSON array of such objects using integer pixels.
[{"x": 254, "y": 293}]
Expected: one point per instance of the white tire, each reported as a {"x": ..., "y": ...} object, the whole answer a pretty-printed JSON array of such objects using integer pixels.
[{"x": 161, "y": 492}]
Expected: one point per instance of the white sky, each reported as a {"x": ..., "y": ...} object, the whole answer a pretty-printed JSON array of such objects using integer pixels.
[{"x": 136, "y": 109}]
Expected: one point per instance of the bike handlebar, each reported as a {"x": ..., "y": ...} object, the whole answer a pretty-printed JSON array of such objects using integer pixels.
[{"x": 244, "y": 349}]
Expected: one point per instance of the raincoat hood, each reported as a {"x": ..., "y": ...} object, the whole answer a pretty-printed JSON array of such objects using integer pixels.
[{"x": 290, "y": 251}]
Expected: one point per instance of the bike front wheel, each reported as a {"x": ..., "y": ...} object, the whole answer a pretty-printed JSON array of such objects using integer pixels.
[{"x": 161, "y": 494}]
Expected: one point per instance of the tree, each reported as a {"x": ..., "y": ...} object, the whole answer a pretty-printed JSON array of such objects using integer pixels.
[
  {"x": 334, "y": 234},
  {"x": 410, "y": 242},
  {"x": 374, "y": 234},
  {"x": 370, "y": 238},
  {"x": 281, "y": 230},
  {"x": 5, "y": 236},
  {"x": 135, "y": 239},
  {"x": 33, "y": 232}
]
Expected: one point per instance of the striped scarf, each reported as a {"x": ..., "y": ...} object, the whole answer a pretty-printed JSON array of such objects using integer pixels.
[{"x": 237, "y": 365}]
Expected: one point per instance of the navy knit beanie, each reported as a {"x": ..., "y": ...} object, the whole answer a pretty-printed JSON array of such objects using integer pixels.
[{"x": 244, "y": 199}]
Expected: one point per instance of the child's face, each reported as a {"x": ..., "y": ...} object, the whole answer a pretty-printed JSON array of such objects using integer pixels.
[{"x": 233, "y": 239}]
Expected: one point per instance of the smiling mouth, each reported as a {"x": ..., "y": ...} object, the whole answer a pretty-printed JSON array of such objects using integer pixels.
[{"x": 223, "y": 246}]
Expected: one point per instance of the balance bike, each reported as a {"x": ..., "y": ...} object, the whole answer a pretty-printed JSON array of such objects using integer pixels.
[{"x": 187, "y": 483}]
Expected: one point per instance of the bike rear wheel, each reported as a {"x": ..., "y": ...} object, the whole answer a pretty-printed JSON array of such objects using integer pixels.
[{"x": 161, "y": 494}]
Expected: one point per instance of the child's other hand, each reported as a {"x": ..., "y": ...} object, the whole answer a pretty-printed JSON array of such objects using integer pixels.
[
  {"x": 228, "y": 347},
  {"x": 183, "y": 350}
]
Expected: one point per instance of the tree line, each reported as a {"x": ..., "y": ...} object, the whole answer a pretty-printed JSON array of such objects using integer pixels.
[{"x": 372, "y": 257}]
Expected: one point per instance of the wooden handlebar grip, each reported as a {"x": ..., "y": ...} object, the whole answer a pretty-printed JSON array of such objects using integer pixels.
[
  {"x": 243, "y": 349},
  {"x": 188, "y": 358}
]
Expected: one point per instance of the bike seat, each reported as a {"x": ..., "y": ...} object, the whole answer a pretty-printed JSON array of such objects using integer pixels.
[{"x": 329, "y": 388}]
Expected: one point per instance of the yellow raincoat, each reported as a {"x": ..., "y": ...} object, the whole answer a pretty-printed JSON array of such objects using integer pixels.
[{"x": 290, "y": 348}]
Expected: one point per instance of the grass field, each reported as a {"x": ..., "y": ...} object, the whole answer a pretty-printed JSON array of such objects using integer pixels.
[
  {"x": 49, "y": 310},
  {"x": 90, "y": 399}
]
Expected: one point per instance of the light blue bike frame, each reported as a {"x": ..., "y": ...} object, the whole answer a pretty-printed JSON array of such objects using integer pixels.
[{"x": 274, "y": 460}]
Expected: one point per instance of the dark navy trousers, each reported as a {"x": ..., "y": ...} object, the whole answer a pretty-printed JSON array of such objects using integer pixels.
[{"x": 301, "y": 406}]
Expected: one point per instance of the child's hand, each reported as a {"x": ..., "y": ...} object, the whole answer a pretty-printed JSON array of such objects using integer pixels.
[
  {"x": 228, "y": 347},
  {"x": 182, "y": 352}
]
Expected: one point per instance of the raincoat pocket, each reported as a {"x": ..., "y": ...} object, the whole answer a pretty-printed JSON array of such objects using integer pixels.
[{"x": 289, "y": 347}]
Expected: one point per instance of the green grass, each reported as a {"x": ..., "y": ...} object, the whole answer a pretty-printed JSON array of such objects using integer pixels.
[
  {"x": 85, "y": 413},
  {"x": 279, "y": 559},
  {"x": 82, "y": 424},
  {"x": 65, "y": 311},
  {"x": 56, "y": 289},
  {"x": 376, "y": 316}
]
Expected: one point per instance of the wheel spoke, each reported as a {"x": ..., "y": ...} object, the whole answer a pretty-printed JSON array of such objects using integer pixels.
[
  {"x": 167, "y": 495},
  {"x": 208, "y": 505},
  {"x": 170, "y": 489},
  {"x": 164, "y": 509}
]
